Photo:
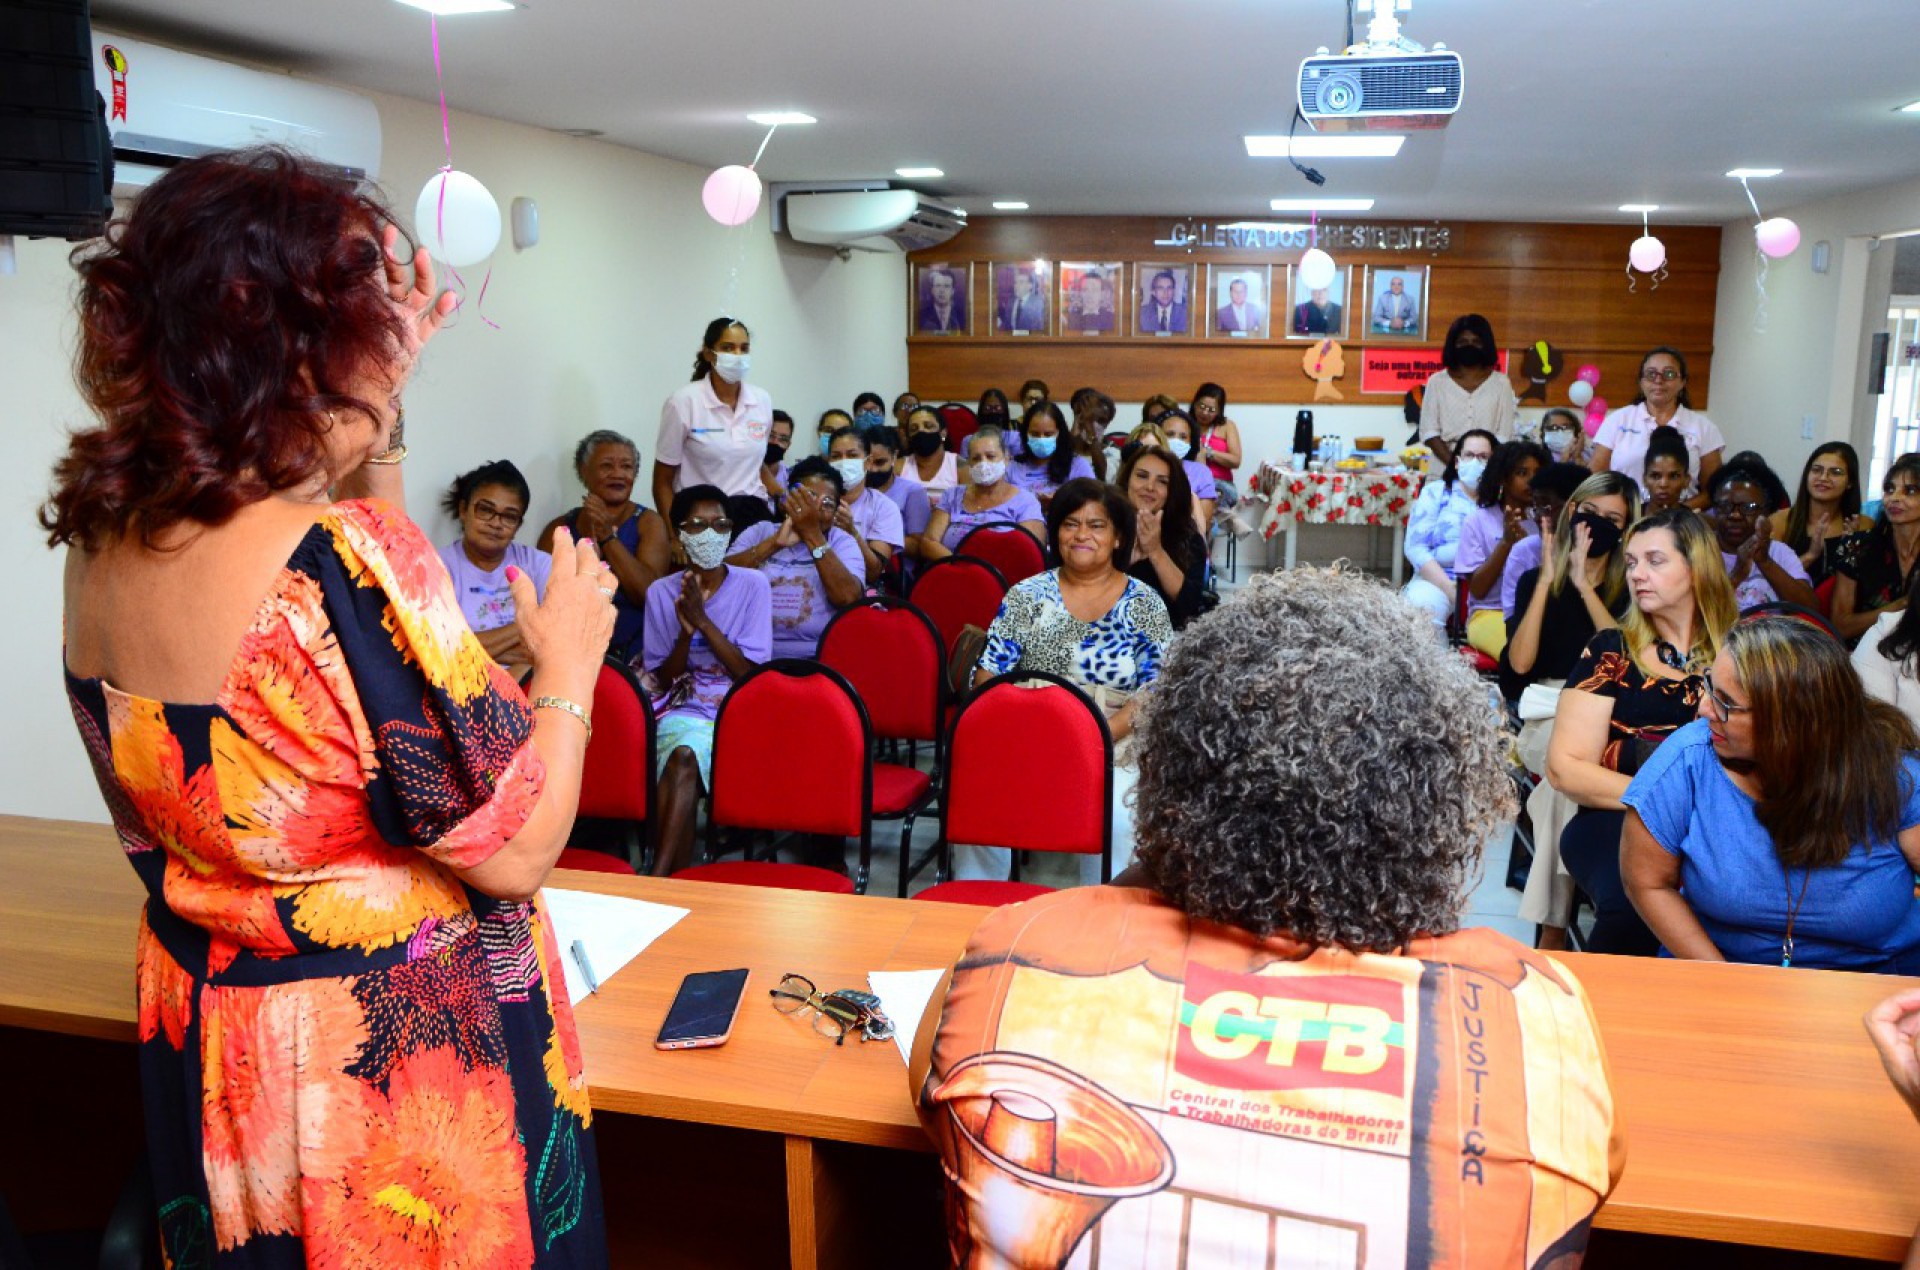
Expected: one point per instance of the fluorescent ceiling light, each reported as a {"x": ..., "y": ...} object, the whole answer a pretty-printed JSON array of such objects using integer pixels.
[
  {"x": 1911, "y": 108},
  {"x": 961, "y": 212},
  {"x": 919, "y": 174},
  {"x": 1640, "y": 209},
  {"x": 1752, "y": 174},
  {"x": 453, "y": 8},
  {"x": 1321, "y": 204},
  {"x": 1009, "y": 207},
  {"x": 775, "y": 118},
  {"x": 1349, "y": 147}
]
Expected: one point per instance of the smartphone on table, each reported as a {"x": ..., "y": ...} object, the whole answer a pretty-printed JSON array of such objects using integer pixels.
[{"x": 703, "y": 1010}]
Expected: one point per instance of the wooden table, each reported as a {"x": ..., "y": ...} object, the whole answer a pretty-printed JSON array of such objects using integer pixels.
[{"x": 1756, "y": 1111}]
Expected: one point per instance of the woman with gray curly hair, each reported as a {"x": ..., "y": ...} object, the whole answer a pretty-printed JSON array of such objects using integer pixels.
[
  {"x": 631, "y": 536},
  {"x": 1283, "y": 1013}
]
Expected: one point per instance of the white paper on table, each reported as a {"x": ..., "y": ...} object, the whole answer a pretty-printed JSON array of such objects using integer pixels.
[
  {"x": 612, "y": 928},
  {"x": 904, "y": 995}
]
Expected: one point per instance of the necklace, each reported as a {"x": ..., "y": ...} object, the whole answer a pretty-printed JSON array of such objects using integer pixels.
[
  {"x": 1793, "y": 911},
  {"x": 1670, "y": 656}
]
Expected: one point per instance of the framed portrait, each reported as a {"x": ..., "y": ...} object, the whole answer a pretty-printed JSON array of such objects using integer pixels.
[
  {"x": 1163, "y": 299},
  {"x": 1239, "y": 301},
  {"x": 1396, "y": 302},
  {"x": 1090, "y": 296},
  {"x": 942, "y": 295},
  {"x": 1022, "y": 297},
  {"x": 1314, "y": 313}
]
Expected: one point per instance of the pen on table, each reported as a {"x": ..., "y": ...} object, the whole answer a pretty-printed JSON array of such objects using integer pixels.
[{"x": 586, "y": 968}]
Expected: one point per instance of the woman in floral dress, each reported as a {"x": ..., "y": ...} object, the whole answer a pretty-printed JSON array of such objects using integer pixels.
[{"x": 355, "y": 1042}]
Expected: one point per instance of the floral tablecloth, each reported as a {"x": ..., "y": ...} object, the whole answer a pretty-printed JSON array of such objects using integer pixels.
[{"x": 1373, "y": 497}]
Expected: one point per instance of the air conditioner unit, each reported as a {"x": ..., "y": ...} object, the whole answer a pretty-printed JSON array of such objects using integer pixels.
[
  {"x": 1364, "y": 91},
  {"x": 164, "y": 106},
  {"x": 864, "y": 219}
]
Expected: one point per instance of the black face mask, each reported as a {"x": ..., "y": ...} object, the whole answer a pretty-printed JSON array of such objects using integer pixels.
[
  {"x": 1472, "y": 355},
  {"x": 1602, "y": 534},
  {"x": 775, "y": 453},
  {"x": 994, "y": 415},
  {"x": 880, "y": 479},
  {"x": 924, "y": 444}
]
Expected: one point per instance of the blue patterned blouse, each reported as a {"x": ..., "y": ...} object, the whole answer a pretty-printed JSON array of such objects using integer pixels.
[{"x": 1121, "y": 650}]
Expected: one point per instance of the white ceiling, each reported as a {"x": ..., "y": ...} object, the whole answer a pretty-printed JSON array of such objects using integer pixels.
[{"x": 1572, "y": 107}]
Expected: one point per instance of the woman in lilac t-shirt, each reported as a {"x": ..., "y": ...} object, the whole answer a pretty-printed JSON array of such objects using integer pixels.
[{"x": 490, "y": 502}]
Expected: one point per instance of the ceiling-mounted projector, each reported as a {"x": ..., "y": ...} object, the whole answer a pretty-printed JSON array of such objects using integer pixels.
[{"x": 1388, "y": 83}]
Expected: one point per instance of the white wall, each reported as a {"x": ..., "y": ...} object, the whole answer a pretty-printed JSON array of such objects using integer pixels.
[
  {"x": 597, "y": 325},
  {"x": 1811, "y": 358}
]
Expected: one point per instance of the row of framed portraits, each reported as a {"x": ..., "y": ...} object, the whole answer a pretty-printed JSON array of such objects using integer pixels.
[{"x": 1154, "y": 299}]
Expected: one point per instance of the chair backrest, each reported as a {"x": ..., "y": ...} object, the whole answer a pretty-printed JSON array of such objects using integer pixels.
[
  {"x": 957, "y": 592},
  {"x": 892, "y": 654},
  {"x": 961, "y": 423},
  {"x": 1054, "y": 729},
  {"x": 790, "y": 751},
  {"x": 616, "y": 779},
  {"x": 1012, "y": 550}
]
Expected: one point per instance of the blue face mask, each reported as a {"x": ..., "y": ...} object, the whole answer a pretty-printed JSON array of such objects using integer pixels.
[
  {"x": 1042, "y": 447},
  {"x": 868, "y": 419},
  {"x": 826, "y": 443}
]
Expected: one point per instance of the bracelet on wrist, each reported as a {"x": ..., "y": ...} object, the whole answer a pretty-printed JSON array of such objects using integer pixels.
[
  {"x": 565, "y": 706},
  {"x": 393, "y": 456}
]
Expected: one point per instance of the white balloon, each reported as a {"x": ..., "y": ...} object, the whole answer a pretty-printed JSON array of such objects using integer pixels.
[
  {"x": 1777, "y": 237},
  {"x": 1316, "y": 269},
  {"x": 1647, "y": 253},
  {"x": 457, "y": 220},
  {"x": 1579, "y": 392}
]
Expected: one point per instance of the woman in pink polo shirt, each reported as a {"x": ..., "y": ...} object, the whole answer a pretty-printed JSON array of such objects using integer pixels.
[{"x": 713, "y": 431}]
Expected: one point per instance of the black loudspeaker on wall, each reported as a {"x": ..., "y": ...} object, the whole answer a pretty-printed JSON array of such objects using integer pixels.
[{"x": 56, "y": 159}]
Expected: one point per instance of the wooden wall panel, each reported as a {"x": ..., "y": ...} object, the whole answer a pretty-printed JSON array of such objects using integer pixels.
[{"x": 1563, "y": 283}]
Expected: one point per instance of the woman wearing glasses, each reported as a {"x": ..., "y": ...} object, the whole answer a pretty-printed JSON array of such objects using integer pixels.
[
  {"x": 1783, "y": 826},
  {"x": 1762, "y": 568},
  {"x": 1629, "y": 690},
  {"x": 490, "y": 502},
  {"x": 1621, "y": 443}
]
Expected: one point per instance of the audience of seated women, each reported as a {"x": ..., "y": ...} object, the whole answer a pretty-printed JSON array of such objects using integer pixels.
[
  {"x": 1621, "y": 444},
  {"x": 1433, "y": 529},
  {"x": 1826, "y": 511},
  {"x": 932, "y": 466},
  {"x": 1177, "y": 428},
  {"x": 884, "y": 453},
  {"x": 1090, "y": 622},
  {"x": 1762, "y": 569},
  {"x": 869, "y": 516},
  {"x": 1218, "y": 442},
  {"x": 1046, "y": 459},
  {"x": 1876, "y": 569},
  {"x": 988, "y": 498},
  {"x": 1665, "y": 476},
  {"x": 490, "y": 502},
  {"x": 1169, "y": 553},
  {"x": 815, "y": 567},
  {"x": 707, "y": 626},
  {"x": 1296, "y": 909},
  {"x": 1504, "y": 518},
  {"x": 631, "y": 537},
  {"x": 1631, "y": 688},
  {"x": 1552, "y": 486},
  {"x": 1781, "y": 827}
]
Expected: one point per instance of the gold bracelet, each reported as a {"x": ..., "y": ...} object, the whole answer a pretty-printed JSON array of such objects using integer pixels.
[
  {"x": 389, "y": 458},
  {"x": 569, "y": 707}
]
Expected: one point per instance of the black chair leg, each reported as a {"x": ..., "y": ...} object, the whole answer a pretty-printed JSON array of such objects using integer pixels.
[{"x": 131, "y": 1239}]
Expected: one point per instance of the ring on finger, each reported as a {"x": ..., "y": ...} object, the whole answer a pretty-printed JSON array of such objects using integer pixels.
[{"x": 607, "y": 591}]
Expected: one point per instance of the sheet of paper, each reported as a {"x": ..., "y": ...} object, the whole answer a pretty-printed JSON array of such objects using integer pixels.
[
  {"x": 904, "y": 995},
  {"x": 612, "y": 928}
]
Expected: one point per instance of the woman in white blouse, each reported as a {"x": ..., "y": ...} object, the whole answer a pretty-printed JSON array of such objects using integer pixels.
[
  {"x": 1888, "y": 658},
  {"x": 1469, "y": 393},
  {"x": 1621, "y": 444}
]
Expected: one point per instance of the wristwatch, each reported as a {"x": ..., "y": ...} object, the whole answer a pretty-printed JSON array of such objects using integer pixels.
[{"x": 818, "y": 551}]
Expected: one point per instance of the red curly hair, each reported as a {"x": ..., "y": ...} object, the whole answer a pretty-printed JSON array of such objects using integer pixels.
[{"x": 220, "y": 323}]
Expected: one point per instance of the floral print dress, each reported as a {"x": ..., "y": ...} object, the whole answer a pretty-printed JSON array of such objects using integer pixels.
[{"x": 348, "y": 1057}]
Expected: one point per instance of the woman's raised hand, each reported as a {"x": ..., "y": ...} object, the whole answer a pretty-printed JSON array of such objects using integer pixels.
[
  {"x": 413, "y": 292},
  {"x": 567, "y": 630}
]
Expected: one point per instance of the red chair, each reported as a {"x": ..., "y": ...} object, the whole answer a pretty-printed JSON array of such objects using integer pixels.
[
  {"x": 785, "y": 877},
  {"x": 1457, "y": 629},
  {"x": 1028, "y": 712},
  {"x": 617, "y": 777},
  {"x": 1824, "y": 594},
  {"x": 891, "y": 653},
  {"x": 961, "y": 423},
  {"x": 792, "y": 752},
  {"x": 957, "y": 592},
  {"x": 1017, "y": 554},
  {"x": 592, "y": 861}
]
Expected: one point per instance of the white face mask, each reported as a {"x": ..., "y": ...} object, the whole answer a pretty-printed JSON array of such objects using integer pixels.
[
  {"x": 706, "y": 549},
  {"x": 853, "y": 472},
  {"x": 1470, "y": 471},
  {"x": 1177, "y": 447},
  {"x": 988, "y": 471},
  {"x": 1559, "y": 440},
  {"x": 731, "y": 367}
]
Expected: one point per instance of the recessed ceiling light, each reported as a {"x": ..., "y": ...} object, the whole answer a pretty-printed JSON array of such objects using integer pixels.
[
  {"x": 919, "y": 174},
  {"x": 1353, "y": 147},
  {"x": 453, "y": 8},
  {"x": 1752, "y": 174},
  {"x": 1321, "y": 204},
  {"x": 1009, "y": 207},
  {"x": 1911, "y": 108},
  {"x": 1640, "y": 209},
  {"x": 776, "y": 118}
]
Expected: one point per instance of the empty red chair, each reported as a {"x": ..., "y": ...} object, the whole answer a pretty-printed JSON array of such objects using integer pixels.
[
  {"x": 617, "y": 777},
  {"x": 592, "y": 861},
  {"x": 961, "y": 423},
  {"x": 892, "y": 656},
  {"x": 792, "y": 752},
  {"x": 1017, "y": 554},
  {"x": 1027, "y": 712},
  {"x": 784, "y": 877},
  {"x": 957, "y": 592}
]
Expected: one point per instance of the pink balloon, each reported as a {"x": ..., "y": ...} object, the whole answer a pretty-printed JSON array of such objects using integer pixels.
[
  {"x": 1598, "y": 406},
  {"x": 1647, "y": 253},
  {"x": 732, "y": 194},
  {"x": 1588, "y": 374},
  {"x": 1593, "y": 422},
  {"x": 1777, "y": 237}
]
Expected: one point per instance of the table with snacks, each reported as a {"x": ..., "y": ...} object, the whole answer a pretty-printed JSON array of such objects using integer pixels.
[{"x": 1349, "y": 492}]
